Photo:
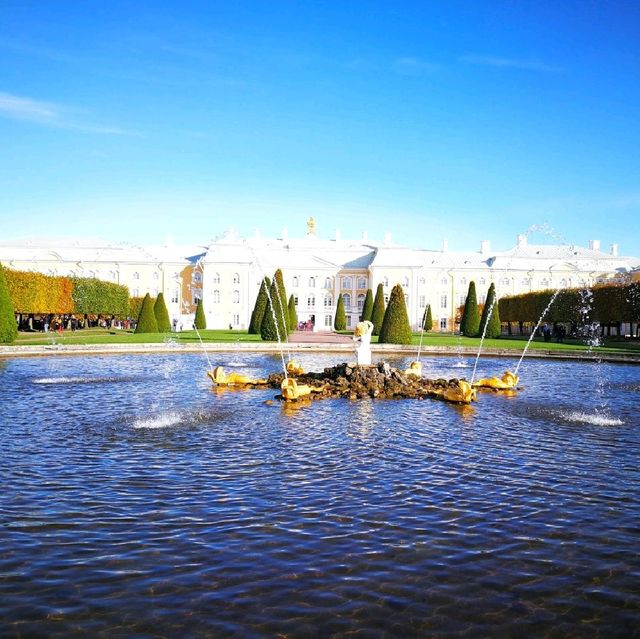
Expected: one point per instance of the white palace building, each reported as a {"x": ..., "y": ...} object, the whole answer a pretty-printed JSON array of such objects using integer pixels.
[{"x": 226, "y": 273}]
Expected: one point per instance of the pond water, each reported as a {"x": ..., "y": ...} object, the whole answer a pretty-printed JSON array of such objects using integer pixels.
[{"x": 137, "y": 501}]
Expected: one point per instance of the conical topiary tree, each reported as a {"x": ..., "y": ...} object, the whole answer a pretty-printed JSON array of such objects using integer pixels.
[
  {"x": 367, "y": 308},
  {"x": 293, "y": 315},
  {"x": 284, "y": 309},
  {"x": 377, "y": 314},
  {"x": 395, "y": 327},
  {"x": 273, "y": 326},
  {"x": 340, "y": 320},
  {"x": 470, "y": 322},
  {"x": 490, "y": 306},
  {"x": 162, "y": 314},
  {"x": 8, "y": 326},
  {"x": 200, "y": 320},
  {"x": 147, "y": 319},
  {"x": 427, "y": 321},
  {"x": 259, "y": 307}
]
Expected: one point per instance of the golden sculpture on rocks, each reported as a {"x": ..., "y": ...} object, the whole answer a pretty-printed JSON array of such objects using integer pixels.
[
  {"x": 508, "y": 382},
  {"x": 464, "y": 394},
  {"x": 291, "y": 390},
  {"x": 415, "y": 368},
  {"x": 293, "y": 368},
  {"x": 219, "y": 377}
]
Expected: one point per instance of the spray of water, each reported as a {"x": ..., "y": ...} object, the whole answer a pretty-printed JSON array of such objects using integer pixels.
[
  {"x": 206, "y": 353},
  {"x": 494, "y": 301},
  {"x": 535, "y": 330}
]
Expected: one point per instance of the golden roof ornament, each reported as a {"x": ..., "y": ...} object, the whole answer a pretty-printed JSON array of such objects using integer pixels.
[{"x": 311, "y": 226}]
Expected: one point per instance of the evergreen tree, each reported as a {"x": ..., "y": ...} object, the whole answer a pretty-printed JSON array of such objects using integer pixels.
[
  {"x": 293, "y": 315},
  {"x": 493, "y": 327},
  {"x": 162, "y": 314},
  {"x": 367, "y": 309},
  {"x": 340, "y": 320},
  {"x": 284, "y": 309},
  {"x": 273, "y": 326},
  {"x": 260, "y": 306},
  {"x": 200, "y": 321},
  {"x": 427, "y": 321},
  {"x": 470, "y": 322},
  {"x": 147, "y": 319},
  {"x": 8, "y": 326},
  {"x": 377, "y": 314},
  {"x": 395, "y": 325}
]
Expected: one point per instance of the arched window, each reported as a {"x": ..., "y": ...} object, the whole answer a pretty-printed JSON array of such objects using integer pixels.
[
  {"x": 135, "y": 292},
  {"x": 236, "y": 278},
  {"x": 91, "y": 274},
  {"x": 197, "y": 276},
  {"x": 311, "y": 301},
  {"x": 563, "y": 283},
  {"x": 406, "y": 282},
  {"x": 362, "y": 282},
  {"x": 385, "y": 282},
  {"x": 174, "y": 296},
  {"x": 328, "y": 301},
  {"x": 295, "y": 300},
  {"x": 444, "y": 281},
  {"x": 482, "y": 281},
  {"x": 505, "y": 281},
  {"x": 360, "y": 301},
  {"x": 154, "y": 292},
  {"x": 136, "y": 276},
  {"x": 545, "y": 283},
  {"x": 346, "y": 298},
  {"x": 422, "y": 280},
  {"x": 216, "y": 296},
  {"x": 312, "y": 282},
  {"x": 463, "y": 281},
  {"x": 525, "y": 281},
  {"x": 236, "y": 297},
  {"x": 294, "y": 282},
  {"x": 156, "y": 275},
  {"x": 216, "y": 278},
  {"x": 347, "y": 283},
  {"x": 327, "y": 282}
]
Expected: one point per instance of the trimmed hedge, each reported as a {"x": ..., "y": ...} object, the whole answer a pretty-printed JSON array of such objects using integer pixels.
[
  {"x": 470, "y": 321},
  {"x": 377, "y": 315},
  {"x": 491, "y": 322},
  {"x": 259, "y": 307},
  {"x": 8, "y": 327},
  {"x": 162, "y": 314},
  {"x": 427, "y": 320},
  {"x": 147, "y": 319},
  {"x": 340, "y": 320},
  {"x": 39, "y": 293},
  {"x": 293, "y": 315},
  {"x": 395, "y": 327},
  {"x": 95, "y": 296},
  {"x": 273, "y": 323},
  {"x": 200, "y": 320},
  {"x": 367, "y": 309}
]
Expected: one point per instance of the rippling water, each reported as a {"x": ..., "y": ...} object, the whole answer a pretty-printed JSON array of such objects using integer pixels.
[{"x": 137, "y": 501}]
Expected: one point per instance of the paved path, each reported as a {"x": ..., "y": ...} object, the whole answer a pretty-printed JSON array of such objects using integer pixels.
[{"x": 320, "y": 337}]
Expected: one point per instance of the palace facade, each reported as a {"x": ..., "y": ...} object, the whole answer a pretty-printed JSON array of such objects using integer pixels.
[{"x": 226, "y": 273}]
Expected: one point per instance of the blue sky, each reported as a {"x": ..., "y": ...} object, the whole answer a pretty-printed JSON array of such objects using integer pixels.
[{"x": 430, "y": 120}]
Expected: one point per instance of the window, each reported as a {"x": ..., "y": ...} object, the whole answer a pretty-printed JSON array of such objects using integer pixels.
[
  {"x": 346, "y": 298},
  {"x": 385, "y": 282},
  {"x": 312, "y": 282},
  {"x": 236, "y": 278},
  {"x": 406, "y": 282},
  {"x": 443, "y": 301},
  {"x": 175, "y": 276},
  {"x": 443, "y": 323},
  {"x": 348, "y": 321},
  {"x": 327, "y": 283},
  {"x": 525, "y": 281},
  {"x": 216, "y": 296},
  {"x": 463, "y": 281},
  {"x": 112, "y": 276},
  {"x": 174, "y": 296},
  {"x": 563, "y": 283},
  {"x": 154, "y": 292},
  {"x": 347, "y": 283},
  {"x": 156, "y": 275},
  {"x": 545, "y": 283},
  {"x": 461, "y": 299},
  {"x": 328, "y": 321},
  {"x": 362, "y": 282},
  {"x": 505, "y": 281},
  {"x": 328, "y": 301},
  {"x": 422, "y": 280},
  {"x": 135, "y": 292},
  {"x": 216, "y": 278},
  {"x": 482, "y": 281},
  {"x": 360, "y": 302},
  {"x": 482, "y": 299},
  {"x": 197, "y": 276},
  {"x": 236, "y": 320},
  {"x": 295, "y": 300},
  {"x": 311, "y": 301},
  {"x": 422, "y": 301},
  {"x": 444, "y": 281},
  {"x": 294, "y": 282},
  {"x": 91, "y": 274},
  {"x": 236, "y": 297},
  {"x": 406, "y": 300},
  {"x": 136, "y": 276},
  {"x": 386, "y": 298}
]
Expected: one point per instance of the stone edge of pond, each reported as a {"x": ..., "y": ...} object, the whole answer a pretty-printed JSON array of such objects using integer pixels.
[{"x": 249, "y": 347}]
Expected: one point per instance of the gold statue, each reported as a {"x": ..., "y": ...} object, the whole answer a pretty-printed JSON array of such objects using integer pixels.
[
  {"x": 292, "y": 390},
  {"x": 362, "y": 338},
  {"x": 293, "y": 368},
  {"x": 464, "y": 394},
  {"x": 415, "y": 369},
  {"x": 508, "y": 381},
  {"x": 311, "y": 226},
  {"x": 219, "y": 377}
]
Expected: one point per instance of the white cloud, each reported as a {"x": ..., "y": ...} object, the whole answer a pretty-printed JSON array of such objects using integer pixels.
[
  {"x": 510, "y": 63},
  {"x": 16, "y": 107}
]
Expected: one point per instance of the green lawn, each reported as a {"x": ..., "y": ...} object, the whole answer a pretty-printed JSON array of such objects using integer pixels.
[{"x": 448, "y": 340}]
